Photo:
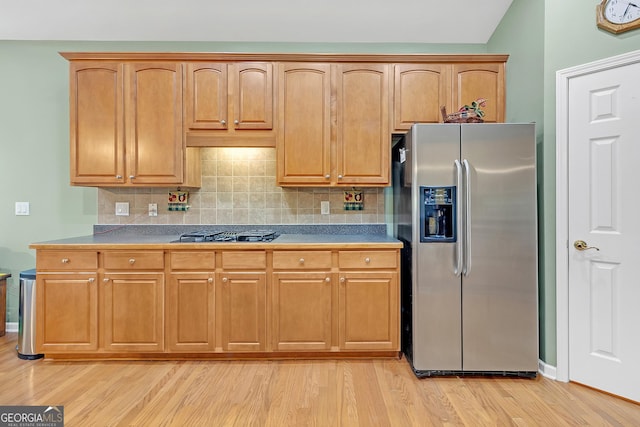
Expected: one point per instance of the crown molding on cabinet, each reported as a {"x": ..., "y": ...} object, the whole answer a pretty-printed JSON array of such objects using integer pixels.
[{"x": 297, "y": 57}]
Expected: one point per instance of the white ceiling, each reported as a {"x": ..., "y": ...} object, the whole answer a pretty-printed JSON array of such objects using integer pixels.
[{"x": 353, "y": 21}]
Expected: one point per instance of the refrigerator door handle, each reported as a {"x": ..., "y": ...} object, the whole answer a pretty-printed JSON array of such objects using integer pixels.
[
  {"x": 467, "y": 220},
  {"x": 458, "y": 213}
]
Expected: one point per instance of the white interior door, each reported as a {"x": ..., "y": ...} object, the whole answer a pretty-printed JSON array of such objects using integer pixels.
[{"x": 604, "y": 211}]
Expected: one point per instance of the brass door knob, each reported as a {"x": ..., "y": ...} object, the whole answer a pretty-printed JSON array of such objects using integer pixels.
[{"x": 581, "y": 245}]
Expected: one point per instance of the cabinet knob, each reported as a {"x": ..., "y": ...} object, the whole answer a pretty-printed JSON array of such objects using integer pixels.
[
  {"x": 301, "y": 260},
  {"x": 327, "y": 176},
  {"x": 225, "y": 280},
  {"x": 118, "y": 176},
  {"x": 132, "y": 261},
  {"x": 339, "y": 176},
  {"x": 210, "y": 280},
  {"x": 91, "y": 280},
  {"x": 223, "y": 122},
  {"x": 327, "y": 279},
  {"x": 367, "y": 260},
  {"x": 105, "y": 280},
  {"x": 342, "y": 280},
  {"x": 132, "y": 176},
  {"x": 236, "y": 122},
  {"x": 65, "y": 260}
]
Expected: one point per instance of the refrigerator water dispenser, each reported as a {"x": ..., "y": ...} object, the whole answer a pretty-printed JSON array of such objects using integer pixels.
[{"x": 438, "y": 214}]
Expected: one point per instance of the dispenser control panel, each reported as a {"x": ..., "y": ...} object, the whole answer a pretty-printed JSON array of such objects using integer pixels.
[{"x": 438, "y": 214}]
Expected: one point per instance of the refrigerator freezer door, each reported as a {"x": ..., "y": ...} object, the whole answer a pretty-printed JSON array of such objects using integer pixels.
[
  {"x": 437, "y": 340},
  {"x": 499, "y": 292}
]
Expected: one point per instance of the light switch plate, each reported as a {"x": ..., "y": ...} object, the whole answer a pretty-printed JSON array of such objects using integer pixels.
[
  {"x": 153, "y": 209},
  {"x": 22, "y": 208},
  {"x": 122, "y": 208}
]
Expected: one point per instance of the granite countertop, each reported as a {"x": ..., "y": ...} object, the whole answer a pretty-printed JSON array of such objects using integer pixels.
[{"x": 162, "y": 238}]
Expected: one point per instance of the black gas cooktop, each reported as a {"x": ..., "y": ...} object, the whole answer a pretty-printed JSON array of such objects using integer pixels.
[{"x": 227, "y": 236}]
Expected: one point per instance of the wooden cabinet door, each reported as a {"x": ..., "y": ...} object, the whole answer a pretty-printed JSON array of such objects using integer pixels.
[
  {"x": 206, "y": 104},
  {"x": 243, "y": 310},
  {"x": 191, "y": 312},
  {"x": 153, "y": 118},
  {"x": 67, "y": 308},
  {"x": 363, "y": 139},
  {"x": 133, "y": 312},
  {"x": 304, "y": 124},
  {"x": 419, "y": 92},
  {"x": 302, "y": 311},
  {"x": 97, "y": 123},
  {"x": 229, "y": 104},
  {"x": 252, "y": 93},
  {"x": 368, "y": 306},
  {"x": 481, "y": 80}
]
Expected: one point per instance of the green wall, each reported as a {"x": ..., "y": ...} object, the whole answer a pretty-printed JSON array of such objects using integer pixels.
[
  {"x": 571, "y": 38},
  {"x": 525, "y": 103},
  {"x": 543, "y": 37}
]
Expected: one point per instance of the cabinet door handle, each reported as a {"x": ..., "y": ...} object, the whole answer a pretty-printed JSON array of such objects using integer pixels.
[
  {"x": 225, "y": 280},
  {"x": 210, "y": 280},
  {"x": 132, "y": 176},
  {"x": 236, "y": 122},
  {"x": 105, "y": 280},
  {"x": 342, "y": 280},
  {"x": 339, "y": 176},
  {"x": 327, "y": 279},
  {"x": 65, "y": 260},
  {"x": 223, "y": 122},
  {"x": 327, "y": 176},
  {"x": 132, "y": 261},
  {"x": 91, "y": 280},
  {"x": 118, "y": 176}
]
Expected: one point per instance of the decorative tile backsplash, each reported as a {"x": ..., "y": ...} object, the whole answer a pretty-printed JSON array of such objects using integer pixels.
[{"x": 239, "y": 187}]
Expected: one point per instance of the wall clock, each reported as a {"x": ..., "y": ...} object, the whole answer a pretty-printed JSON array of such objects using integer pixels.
[{"x": 618, "y": 16}]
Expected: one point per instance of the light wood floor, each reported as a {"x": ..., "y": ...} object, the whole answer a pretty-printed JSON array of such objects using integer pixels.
[{"x": 295, "y": 393}]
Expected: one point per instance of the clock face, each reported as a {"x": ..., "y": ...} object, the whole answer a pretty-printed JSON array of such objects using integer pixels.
[{"x": 622, "y": 11}]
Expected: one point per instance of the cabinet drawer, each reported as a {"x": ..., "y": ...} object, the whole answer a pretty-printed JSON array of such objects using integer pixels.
[
  {"x": 193, "y": 260},
  {"x": 244, "y": 260},
  {"x": 368, "y": 259},
  {"x": 133, "y": 260},
  {"x": 66, "y": 260},
  {"x": 301, "y": 259}
]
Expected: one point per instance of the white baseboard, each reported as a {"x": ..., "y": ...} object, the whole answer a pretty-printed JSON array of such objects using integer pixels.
[
  {"x": 547, "y": 370},
  {"x": 11, "y": 326}
]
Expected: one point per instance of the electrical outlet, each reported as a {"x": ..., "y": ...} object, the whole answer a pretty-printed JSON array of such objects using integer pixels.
[
  {"x": 22, "y": 208},
  {"x": 122, "y": 208},
  {"x": 153, "y": 209},
  {"x": 324, "y": 207}
]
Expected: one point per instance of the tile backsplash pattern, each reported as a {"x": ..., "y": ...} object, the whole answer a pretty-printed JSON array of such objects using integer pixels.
[{"x": 239, "y": 187}]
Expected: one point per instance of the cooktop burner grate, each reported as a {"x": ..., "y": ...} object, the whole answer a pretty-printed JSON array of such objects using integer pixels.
[{"x": 228, "y": 236}]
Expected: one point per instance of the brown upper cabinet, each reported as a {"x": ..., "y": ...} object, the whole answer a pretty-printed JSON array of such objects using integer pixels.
[
  {"x": 227, "y": 101},
  {"x": 347, "y": 143},
  {"x": 126, "y": 125},
  {"x": 138, "y": 119},
  {"x": 480, "y": 80},
  {"x": 419, "y": 92}
]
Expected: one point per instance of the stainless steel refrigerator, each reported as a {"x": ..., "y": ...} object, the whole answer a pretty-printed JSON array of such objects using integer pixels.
[{"x": 465, "y": 207}]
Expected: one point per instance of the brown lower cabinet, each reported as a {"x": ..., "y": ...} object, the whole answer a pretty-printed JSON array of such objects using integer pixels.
[
  {"x": 67, "y": 312},
  {"x": 257, "y": 303},
  {"x": 133, "y": 312}
]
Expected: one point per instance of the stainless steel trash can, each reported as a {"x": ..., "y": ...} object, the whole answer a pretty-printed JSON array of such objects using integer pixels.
[{"x": 27, "y": 316}]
